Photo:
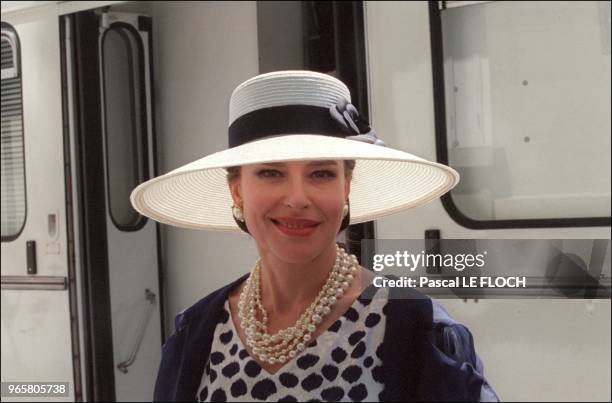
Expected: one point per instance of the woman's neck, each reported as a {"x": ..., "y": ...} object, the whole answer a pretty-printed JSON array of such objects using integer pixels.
[{"x": 288, "y": 288}]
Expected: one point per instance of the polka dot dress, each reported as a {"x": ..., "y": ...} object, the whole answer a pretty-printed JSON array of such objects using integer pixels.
[{"x": 342, "y": 364}]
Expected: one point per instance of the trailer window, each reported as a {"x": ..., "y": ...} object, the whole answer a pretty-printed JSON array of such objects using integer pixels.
[
  {"x": 124, "y": 121},
  {"x": 526, "y": 101},
  {"x": 13, "y": 193}
]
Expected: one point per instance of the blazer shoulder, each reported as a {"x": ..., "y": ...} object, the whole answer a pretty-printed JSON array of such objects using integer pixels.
[{"x": 212, "y": 300}]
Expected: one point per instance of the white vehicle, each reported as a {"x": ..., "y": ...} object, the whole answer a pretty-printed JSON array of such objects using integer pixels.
[{"x": 100, "y": 96}]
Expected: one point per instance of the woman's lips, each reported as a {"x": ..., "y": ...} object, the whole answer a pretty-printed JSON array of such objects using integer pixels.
[{"x": 295, "y": 227}]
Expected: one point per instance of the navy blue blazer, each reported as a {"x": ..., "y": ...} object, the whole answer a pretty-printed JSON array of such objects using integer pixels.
[{"x": 425, "y": 355}]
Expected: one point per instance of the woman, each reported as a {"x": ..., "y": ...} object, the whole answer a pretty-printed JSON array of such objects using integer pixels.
[{"x": 304, "y": 324}]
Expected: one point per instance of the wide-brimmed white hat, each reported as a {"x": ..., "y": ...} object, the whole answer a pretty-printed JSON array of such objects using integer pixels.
[{"x": 293, "y": 116}]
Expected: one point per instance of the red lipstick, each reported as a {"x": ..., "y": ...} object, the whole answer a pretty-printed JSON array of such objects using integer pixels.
[{"x": 295, "y": 227}]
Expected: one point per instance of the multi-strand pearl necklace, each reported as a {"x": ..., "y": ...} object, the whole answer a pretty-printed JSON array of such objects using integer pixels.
[{"x": 287, "y": 343}]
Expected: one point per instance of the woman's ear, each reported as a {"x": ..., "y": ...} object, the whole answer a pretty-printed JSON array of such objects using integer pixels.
[
  {"x": 236, "y": 192},
  {"x": 347, "y": 187}
]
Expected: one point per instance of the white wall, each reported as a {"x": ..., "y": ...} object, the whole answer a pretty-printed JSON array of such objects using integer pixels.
[{"x": 202, "y": 51}]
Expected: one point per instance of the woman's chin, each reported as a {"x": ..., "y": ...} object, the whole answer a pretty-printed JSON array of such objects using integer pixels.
[{"x": 302, "y": 252}]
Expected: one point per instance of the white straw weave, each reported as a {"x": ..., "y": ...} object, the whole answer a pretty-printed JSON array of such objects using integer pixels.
[
  {"x": 286, "y": 88},
  {"x": 385, "y": 180}
]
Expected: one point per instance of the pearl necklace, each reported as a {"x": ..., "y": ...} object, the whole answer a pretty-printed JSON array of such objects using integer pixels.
[{"x": 287, "y": 343}]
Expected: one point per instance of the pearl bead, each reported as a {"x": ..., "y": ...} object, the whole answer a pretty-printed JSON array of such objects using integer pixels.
[{"x": 286, "y": 342}]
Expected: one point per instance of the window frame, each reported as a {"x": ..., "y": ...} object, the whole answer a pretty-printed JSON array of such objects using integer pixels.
[
  {"x": 143, "y": 164},
  {"x": 439, "y": 104},
  {"x": 8, "y": 31}
]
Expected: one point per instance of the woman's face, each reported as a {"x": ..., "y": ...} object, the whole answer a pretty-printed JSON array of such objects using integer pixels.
[{"x": 294, "y": 209}]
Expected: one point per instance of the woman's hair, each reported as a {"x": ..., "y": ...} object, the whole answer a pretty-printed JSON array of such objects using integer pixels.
[{"x": 349, "y": 166}]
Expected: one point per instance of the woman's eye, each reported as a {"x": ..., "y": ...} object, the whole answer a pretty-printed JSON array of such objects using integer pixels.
[
  {"x": 324, "y": 174},
  {"x": 268, "y": 173}
]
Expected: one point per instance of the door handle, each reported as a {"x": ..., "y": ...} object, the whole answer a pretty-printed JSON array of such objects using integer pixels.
[{"x": 151, "y": 298}]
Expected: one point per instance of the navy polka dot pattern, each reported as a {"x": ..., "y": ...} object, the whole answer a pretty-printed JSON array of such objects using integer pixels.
[
  {"x": 230, "y": 370},
  {"x": 372, "y": 320},
  {"x": 333, "y": 394},
  {"x": 358, "y": 393},
  {"x": 307, "y": 361},
  {"x": 239, "y": 388},
  {"x": 216, "y": 358},
  {"x": 352, "y": 314},
  {"x": 288, "y": 380},
  {"x": 355, "y": 337},
  {"x": 224, "y": 316},
  {"x": 359, "y": 350},
  {"x": 218, "y": 396},
  {"x": 339, "y": 354},
  {"x": 342, "y": 364},
  {"x": 312, "y": 381},
  {"x": 330, "y": 372},
  {"x": 263, "y": 389},
  {"x": 335, "y": 327},
  {"x": 226, "y": 337}
]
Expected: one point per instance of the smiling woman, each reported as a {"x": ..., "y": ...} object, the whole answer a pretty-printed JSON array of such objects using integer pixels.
[{"x": 303, "y": 324}]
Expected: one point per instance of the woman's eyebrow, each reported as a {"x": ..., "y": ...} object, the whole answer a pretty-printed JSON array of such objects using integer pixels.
[
  {"x": 313, "y": 163},
  {"x": 322, "y": 163}
]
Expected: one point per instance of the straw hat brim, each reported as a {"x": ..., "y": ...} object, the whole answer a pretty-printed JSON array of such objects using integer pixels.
[{"x": 385, "y": 180}]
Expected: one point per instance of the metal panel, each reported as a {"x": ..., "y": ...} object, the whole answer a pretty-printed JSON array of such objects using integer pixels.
[
  {"x": 37, "y": 323},
  {"x": 133, "y": 259}
]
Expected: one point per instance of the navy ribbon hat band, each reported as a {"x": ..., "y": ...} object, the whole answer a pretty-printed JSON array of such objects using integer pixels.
[
  {"x": 341, "y": 120},
  {"x": 286, "y": 119}
]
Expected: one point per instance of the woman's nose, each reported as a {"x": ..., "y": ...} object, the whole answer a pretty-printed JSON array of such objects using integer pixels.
[{"x": 297, "y": 194}]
